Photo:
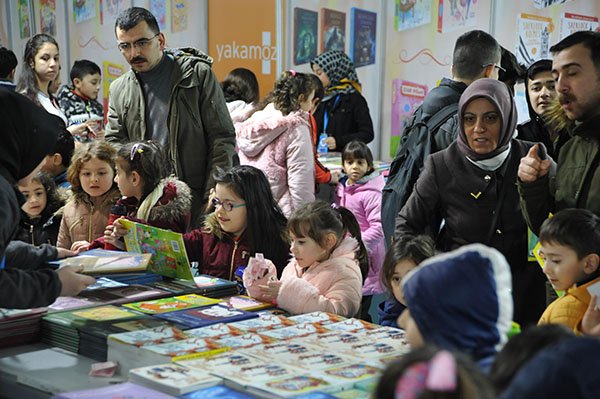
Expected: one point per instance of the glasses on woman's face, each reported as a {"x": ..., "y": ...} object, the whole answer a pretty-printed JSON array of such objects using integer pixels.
[
  {"x": 228, "y": 206},
  {"x": 138, "y": 44}
]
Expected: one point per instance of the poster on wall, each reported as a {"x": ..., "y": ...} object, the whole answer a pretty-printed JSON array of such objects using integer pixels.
[
  {"x": 571, "y": 23},
  {"x": 547, "y": 3},
  {"x": 109, "y": 9},
  {"x": 409, "y": 14},
  {"x": 533, "y": 38},
  {"x": 158, "y": 8},
  {"x": 363, "y": 31},
  {"x": 24, "y": 19},
  {"x": 84, "y": 10},
  {"x": 110, "y": 73},
  {"x": 455, "y": 14},
  {"x": 406, "y": 98},
  {"x": 48, "y": 17},
  {"x": 179, "y": 15},
  {"x": 306, "y": 25},
  {"x": 333, "y": 30}
]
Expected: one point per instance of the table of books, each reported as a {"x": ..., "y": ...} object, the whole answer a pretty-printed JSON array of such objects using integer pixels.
[{"x": 181, "y": 344}]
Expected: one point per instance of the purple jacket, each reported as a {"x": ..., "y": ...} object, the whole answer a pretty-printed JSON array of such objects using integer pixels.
[{"x": 363, "y": 199}]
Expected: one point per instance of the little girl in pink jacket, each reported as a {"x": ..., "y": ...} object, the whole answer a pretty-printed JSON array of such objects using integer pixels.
[
  {"x": 277, "y": 141},
  {"x": 326, "y": 272}
]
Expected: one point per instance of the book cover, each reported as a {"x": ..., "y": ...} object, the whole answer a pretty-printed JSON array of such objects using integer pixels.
[
  {"x": 298, "y": 330},
  {"x": 217, "y": 392},
  {"x": 125, "y": 390},
  {"x": 122, "y": 294},
  {"x": 386, "y": 334},
  {"x": 149, "y": 336},
  {"x": 409, "y": 14},
  {"x": 290, "y": 386},
  {"x": 407, "y": 96},
  {"x": 103, "y": 264},
  {"x": 305, "y": 35},
  {"x": 453, "y": 15},
  {"x": 205, "y": 316},
  {"x": 316, "y": 317},
  {"x": 170, "y": 304},
  {"x": 68, "y": 303},
  {"x": 571, "y": 23},
  {"x": 300, "y": 354},
  {"x": 172, "y": 378},
  {"x": 533, "y": 38},
  {"x": 243, "y": 341},
  {"x": 352, "y": 325},
  {"x": 347, "y": 375},
  {"x": 222, "y": 362},
  {"x": 333, "y": 30},
  {"x": 363, "y": 34},
  {"x": 177, "y": 287},
  {"x": 246, "y": 303},
  {"x": 332, "y": 337},
  {"x": 167, "y": 248},
  {"x": 263, "y": 322},
  {"x": 77, "y": 318},
  {"x": 257, "y": 372},
  {"x": 215, "y": 331},
  {"x": 104, "y": 329},
  {"x": 105, "y": 282},
  {"x": 182, "y": 348}
]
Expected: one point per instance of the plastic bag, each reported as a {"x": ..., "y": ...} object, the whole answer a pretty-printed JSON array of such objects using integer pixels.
[{"x": 258, "y": 272}]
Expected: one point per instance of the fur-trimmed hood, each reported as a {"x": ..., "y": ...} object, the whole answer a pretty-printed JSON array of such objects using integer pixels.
[
  {"x": 264, "y": 126},
  {"x": 175, "y": 201}
]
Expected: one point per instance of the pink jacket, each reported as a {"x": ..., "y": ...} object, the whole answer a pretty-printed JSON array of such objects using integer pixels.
[
  {"x": 331, "y": 286},
  {"x": 281, "y": 147},
  {"x": 363, "y": 199},
  {"x": 240, "y": 110}
]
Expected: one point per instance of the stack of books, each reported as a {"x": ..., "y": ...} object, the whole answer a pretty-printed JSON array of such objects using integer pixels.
[{"x": 20, "y": 326}]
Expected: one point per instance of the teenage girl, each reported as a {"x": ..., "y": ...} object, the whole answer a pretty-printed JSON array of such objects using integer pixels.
[
  {"x": 328, "y": 264},
  {"x": 246, "y": 221},
  {"x": 150, "y": 195},
  {"x": 360, "y": 191},
  {"x": 91, "y": 175},
  {"x": 277, "y": 141},
  {"x": 39, "y": 224},
  {"x": 403, "y": 256}
]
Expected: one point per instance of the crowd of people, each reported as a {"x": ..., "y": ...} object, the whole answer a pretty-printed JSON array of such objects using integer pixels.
[{"x": 238, "y": 176}]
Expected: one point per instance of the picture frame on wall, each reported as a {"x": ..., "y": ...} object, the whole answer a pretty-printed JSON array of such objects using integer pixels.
[
  {"x": 306, "y": 25},
  {"x": 363, "y": 36},
  {"x": 333, "y": 30}
]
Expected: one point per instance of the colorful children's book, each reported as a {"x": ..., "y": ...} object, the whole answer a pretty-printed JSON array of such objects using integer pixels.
[
  {"x": 100, "y": 261},
  {"x": 172, "y": 378},
  {"x": 222, "y": 362},
  {"x": 167, "y": 247},
  {"x": 243, "y": 341},
  {"x": 216, "y": 392},
  {"x": 200, "y": 317},
  {"x": 352, "y": 394},
  {"x": 125, "y": 390},
  {"x": 352, "y": 325},
  {"x": 247, "y": 303},
  {"x": 289, "y": 386},
  {"x": 263, "y": 322},
  {"x": 216, "y": 331},
  {"x": 172, "y": 303},
  {"x": 295, "y": 331},
  {"x": 316, "y": 317},
  {"x": 346, "y": 375},
  {"x": 78, "y": 318},
  {"x": 166, "y": 352}
]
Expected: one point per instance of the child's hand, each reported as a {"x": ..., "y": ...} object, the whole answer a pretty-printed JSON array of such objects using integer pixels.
[
  {"x": 80, "y": 246},
  {"x": 590, "y": 325},
  {"x": 64, "y": 253},
  {"x": 335, "y": 177},
  {"x": 111, "y": 238},
  {"x": 270, "y": 291},
  {"x": 118, "y": 229},
  {"x": 73, "y": 282}
]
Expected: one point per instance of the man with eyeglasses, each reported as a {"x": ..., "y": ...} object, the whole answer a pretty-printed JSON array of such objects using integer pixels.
[
  {"x": 173, "y": 97},
  {"x": 476, "y": 55},
  {"x": 574, "y": 180}
]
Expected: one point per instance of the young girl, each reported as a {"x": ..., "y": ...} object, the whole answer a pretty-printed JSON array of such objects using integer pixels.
[
  {"x": 240, "y": 88},
  {"x": 150, "y": 196},
  {"x": 277, "y": 141},
  {"x": 403, "y": 256},
  {"x": 39, "y": 224},
  {"x": 325, "y": 273},
  {"x": 360, "y": 192},
  {"x": 41, "y": 67},
  {"x": 246, "y": 221},
  {"x": 91, "y": 175}
]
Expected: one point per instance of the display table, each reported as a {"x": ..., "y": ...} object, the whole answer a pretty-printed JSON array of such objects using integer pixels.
[{"x": 39, "y": 371}]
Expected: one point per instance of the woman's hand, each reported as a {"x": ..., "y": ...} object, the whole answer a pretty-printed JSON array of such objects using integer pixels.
[
  {"x": 331, "y": 144},
  {"x": 80, "y": 246}
]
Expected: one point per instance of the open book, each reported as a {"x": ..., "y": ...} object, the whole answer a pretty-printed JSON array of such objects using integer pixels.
[{"x": 100, "y": 261}]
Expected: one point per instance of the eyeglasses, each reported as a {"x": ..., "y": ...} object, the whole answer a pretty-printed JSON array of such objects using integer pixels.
[
  {"x": 228, "y": 206},
  {"x": 138, "y": 44},
  {"x": 495, "y": 66}
]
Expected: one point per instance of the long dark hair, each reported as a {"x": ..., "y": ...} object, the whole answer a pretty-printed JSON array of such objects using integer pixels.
[
  {"x": 316, "y": 219},
  {"x": 28, "y": 84},
  {"x": 266, "y": 223},
  {"x": 240, "y": 84},
  {"x": 147, "y": 158}
]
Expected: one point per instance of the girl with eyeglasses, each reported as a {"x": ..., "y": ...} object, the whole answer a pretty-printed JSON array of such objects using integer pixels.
[
  {"x": 246, "y": 221},
  {"x": 150, "y": 194}
]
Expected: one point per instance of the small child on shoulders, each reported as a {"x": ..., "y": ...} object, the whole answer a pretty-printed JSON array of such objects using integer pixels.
[
  {"x": 403, "y": 256},
  {"x": 570, "y": 248},
  {"x": 329, "y": 263},
  {"x": 150, "y": 195}
]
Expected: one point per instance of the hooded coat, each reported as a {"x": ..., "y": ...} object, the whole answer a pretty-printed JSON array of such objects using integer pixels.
[
  {"x": 568, "y": 369},
  {"x": 455, "y": 189},
  {"x": 28, "y": 134},
  {"x": 333, "y": 285},
  {"x": 280, "y": 146},
  {"x": 363, "y": 199},
  {"x": 461, "y": 301}
]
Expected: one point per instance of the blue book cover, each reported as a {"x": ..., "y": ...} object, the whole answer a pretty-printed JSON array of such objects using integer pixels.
[
  {"x": 363, "y": 33},
  {"x": 125, "y": 390},
  {"x": 206, "y": 316},
  {"x": 305, "y": 35},
  {"x": 216, "y": 392}
]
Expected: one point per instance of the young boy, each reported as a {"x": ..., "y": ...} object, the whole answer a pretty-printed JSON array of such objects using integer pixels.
[
  {"x": 570, "y": 247},
  {"x": 8, "y": 65},
  {"x": 78, "y": 102},
  {"x": 56, "y": 164}
]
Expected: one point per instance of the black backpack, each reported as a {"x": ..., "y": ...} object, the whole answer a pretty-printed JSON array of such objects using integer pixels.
[{"x": 415, "y": 146}]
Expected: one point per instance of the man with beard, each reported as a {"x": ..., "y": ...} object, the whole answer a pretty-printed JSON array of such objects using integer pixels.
[{"x": 576, "y": 181}]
